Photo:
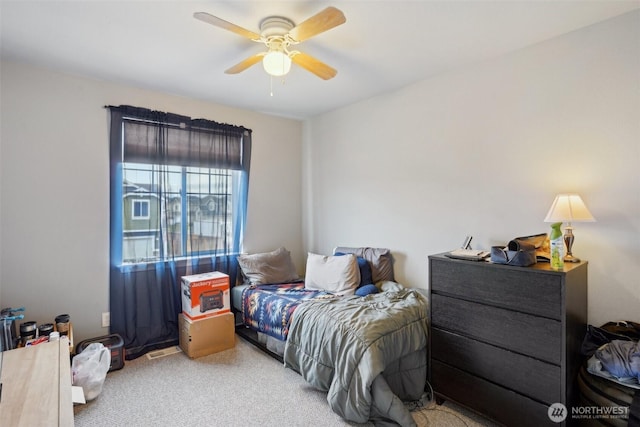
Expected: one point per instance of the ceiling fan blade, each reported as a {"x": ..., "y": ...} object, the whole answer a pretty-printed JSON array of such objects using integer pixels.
[
  {"x": 318, "y": 23},
  {"x": 241, "y": 66},
  {"x": 310, "y": 63},
  {"x": 221, "y": 23}
]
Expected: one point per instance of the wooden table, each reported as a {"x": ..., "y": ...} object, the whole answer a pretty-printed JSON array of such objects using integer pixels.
[{"x": 36, "y": 386}]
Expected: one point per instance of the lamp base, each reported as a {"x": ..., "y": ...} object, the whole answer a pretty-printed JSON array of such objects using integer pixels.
[{"x": 568, "y": 241}]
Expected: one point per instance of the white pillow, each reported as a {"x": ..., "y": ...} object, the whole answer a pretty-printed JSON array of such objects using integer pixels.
[{"x": 335, "y": 274}]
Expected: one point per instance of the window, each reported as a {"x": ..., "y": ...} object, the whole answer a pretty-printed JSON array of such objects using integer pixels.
[
  {"x": 193, "y": 216},
  {"x": 179, "y": 186},
  {"x": 140, "y": 209}
]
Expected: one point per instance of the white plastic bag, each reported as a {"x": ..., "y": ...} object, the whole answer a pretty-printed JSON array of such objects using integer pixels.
[{"x": 89, "y": 369}]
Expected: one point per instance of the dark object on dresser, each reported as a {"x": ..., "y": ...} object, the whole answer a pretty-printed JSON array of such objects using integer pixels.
[
  {"x": 520, "y": 254},
  {"x": 506, "y": 340}
]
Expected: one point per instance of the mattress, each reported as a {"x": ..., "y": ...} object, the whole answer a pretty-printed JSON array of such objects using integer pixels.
[{"x": 236, "y": 296}]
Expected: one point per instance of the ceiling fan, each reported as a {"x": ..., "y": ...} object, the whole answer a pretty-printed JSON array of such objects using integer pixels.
[{"x": 278, "y": 34}]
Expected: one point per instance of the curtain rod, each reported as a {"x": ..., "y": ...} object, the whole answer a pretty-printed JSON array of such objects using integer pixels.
[{"x": 179, "y": 118}]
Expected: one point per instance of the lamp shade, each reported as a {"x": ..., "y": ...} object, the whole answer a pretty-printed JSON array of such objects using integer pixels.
[
  {"x": 276, "y": 63},
  {"x": 568, "y": 208}
]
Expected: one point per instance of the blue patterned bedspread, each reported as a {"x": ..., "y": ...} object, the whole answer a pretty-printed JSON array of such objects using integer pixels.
[{"x": 268, "y": 308}]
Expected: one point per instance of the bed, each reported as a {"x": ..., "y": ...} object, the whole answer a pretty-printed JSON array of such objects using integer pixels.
[{"x": 347, "y": 328}]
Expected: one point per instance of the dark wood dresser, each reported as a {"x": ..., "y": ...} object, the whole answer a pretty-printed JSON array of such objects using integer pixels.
[{"x": 505, "y": 341}]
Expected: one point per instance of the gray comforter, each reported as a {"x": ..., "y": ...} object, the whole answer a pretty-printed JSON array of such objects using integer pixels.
[{"x": 369, "y": 353}]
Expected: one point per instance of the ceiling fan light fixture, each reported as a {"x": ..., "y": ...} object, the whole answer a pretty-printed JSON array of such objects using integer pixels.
[
  {"x": 276, "y": 63},
  {"x": 278, "y": 34}
]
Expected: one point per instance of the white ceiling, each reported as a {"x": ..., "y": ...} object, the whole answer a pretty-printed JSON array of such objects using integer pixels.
[{"x": 384, "y": 45}]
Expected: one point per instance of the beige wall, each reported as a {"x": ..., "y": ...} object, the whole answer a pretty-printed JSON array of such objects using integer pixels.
[
  {"x": 483, "y": 151},
  {"x": 54, "y": 188}
]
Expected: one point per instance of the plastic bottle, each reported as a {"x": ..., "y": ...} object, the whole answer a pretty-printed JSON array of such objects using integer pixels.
[{"x": 556, "y": 244}]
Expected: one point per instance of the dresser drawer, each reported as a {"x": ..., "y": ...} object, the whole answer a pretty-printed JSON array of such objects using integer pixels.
[
  {"x": 515, "y": 288},
  {"x": 528, "y": 376},
  {"x": 523, "y": 333},
  {"x": 505, "y": 406}
]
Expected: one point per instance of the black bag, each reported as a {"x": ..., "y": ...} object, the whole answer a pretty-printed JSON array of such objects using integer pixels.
[
  {"x": 518, "y": 253},
  {"x": 598, "y": 336}
]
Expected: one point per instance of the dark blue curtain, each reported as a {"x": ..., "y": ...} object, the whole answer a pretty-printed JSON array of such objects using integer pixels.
[{"x": 178, "y": 206}]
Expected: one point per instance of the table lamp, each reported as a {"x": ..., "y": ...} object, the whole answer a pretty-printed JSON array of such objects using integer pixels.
[{"x": 569, "y": 208}]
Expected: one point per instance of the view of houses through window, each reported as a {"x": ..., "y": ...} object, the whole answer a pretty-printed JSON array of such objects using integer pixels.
[{"x": 175, "y": 211}]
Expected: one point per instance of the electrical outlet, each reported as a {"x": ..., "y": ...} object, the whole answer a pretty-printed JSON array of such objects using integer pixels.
[{"x": 106, "y": 319}]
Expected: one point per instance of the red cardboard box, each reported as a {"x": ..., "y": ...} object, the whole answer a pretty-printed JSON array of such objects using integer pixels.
[{"x": 205, "y": 295}]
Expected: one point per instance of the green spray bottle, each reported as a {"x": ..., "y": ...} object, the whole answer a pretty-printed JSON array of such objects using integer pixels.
[{"x": 556, "y": 244}]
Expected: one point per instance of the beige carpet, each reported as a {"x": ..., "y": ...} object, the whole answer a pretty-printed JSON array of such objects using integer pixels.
[{"x": 238, "y": 387}]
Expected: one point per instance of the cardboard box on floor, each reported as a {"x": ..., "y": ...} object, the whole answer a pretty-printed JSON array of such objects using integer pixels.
[
  {"x": 206, "y": 336},
  {"x": 205, "y": 295}
]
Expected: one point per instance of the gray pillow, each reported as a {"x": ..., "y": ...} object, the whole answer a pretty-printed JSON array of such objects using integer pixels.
[
  {"x": 268, "y": 267},
  {"x": 379, "y": 258}
]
